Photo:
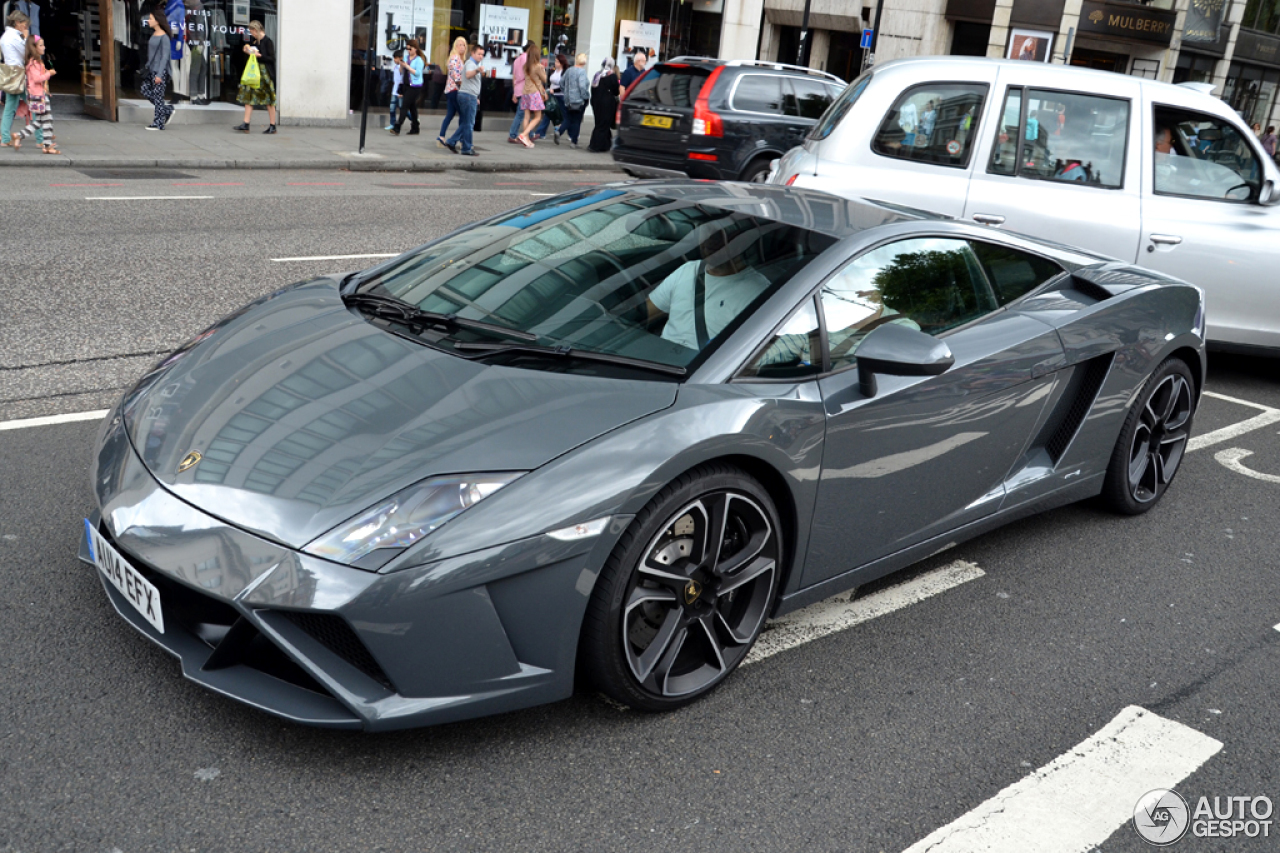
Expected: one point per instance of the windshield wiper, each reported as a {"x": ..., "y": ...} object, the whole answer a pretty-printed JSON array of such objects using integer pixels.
[
  {"x": 397, "y": 310},
  {"x": 565, "y": 351}
]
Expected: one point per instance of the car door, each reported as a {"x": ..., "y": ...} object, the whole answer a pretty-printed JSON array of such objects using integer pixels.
[
  {"x": 924, "y": 455},
  {"x": 921, "y": 145},
  {"x": 757, "y": 124},
  {"x": 1201, "y": 221},
  {"x": 1062, "y": 165}
]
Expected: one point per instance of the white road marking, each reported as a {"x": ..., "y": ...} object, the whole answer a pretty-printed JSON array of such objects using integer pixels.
[
  {"x": 1269, "y": 416},
  {"x": 333, "y": 258},
  {"x": 95, "y": 415},
  {"x": 838, "y": 614},
  {"x": 544, "y": 195},
  {"x": 1230, "y": 459},
  {"x": 1076, "y": 801},
  {"x": 145, "y": 197}
]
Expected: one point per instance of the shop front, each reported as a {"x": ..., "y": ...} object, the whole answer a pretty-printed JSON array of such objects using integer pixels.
[
  {"x": 1254, "y": 77},
  {"x": 1126, "y": 38}
]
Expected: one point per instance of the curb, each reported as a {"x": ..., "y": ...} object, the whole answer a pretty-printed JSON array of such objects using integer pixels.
[{"x": 336, "y": 164}]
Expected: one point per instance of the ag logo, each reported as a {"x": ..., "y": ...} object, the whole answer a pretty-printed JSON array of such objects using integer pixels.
[{"x": 1161, "y": 817}]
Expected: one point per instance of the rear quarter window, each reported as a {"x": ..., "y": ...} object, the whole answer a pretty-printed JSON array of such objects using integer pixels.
[
  {"x": 758, "y": 93},
  {"x": 933, "y": 123}
]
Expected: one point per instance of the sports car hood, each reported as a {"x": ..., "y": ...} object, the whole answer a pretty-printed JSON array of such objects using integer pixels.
[{"x": 305, "y": 414}]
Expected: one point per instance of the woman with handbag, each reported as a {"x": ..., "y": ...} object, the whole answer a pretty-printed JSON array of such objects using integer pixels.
[
  {"x": 13, "y": 73},
  {"x": 554, "y": 115},
  {"x": 155, "y": 74},
  {"x": 577, "y": 94},
  {"x": 535, "y": 93},
  {"x": 262, "y": 54},
  {"x": 412, "y": 88}
]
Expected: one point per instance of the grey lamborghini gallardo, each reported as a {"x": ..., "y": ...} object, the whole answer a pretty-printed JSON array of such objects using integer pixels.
[{"x": 606, "y": 436}]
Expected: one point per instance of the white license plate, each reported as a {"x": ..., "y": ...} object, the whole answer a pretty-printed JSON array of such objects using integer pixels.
[{"x": 136, "y": 589}]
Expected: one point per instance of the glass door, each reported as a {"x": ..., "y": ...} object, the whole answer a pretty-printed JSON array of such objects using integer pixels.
[{"x": 98, "y": 59}]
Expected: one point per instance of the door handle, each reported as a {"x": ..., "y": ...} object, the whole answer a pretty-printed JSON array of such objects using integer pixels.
[
  {"x": 1163, "y": 240},
  {"x": 988, "y": 218}
]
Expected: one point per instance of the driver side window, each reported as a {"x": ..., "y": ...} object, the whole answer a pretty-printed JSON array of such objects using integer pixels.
[
  {"x": 931, "y": 284},
  {"x": 1203, "y": 156}
]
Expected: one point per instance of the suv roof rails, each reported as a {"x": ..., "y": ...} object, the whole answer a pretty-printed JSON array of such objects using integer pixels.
[{"x": 782, "y": 66}]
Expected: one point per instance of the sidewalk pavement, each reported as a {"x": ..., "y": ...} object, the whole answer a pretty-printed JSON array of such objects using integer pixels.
[{"x": 101, "y": 144}]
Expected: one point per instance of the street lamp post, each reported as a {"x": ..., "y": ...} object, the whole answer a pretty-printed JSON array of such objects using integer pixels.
[
  {"x": 802, "y": 58},
  {"x": 875, "y": 34},
  {"x": 370, "y": 56}
]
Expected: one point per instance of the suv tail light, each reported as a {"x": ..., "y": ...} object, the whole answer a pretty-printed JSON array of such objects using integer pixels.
[
  {"x": 617, "y": 120},
  {"x": 706, "y": 122}
]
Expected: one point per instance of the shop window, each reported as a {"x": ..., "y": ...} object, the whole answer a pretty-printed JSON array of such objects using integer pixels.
[
  {"x": 1062, "y": 136},
  {"x": 970, "y": 39},
  {"x": 1203, "y": 156},
  {"x": 933, "y": 123},
  {"x": 1148, "y": 68}
]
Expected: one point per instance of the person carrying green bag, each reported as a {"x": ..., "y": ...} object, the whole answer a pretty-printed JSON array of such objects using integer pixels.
[{"x": 256, "y": 86}]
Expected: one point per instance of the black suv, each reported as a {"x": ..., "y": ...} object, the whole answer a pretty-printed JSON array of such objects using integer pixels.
[{"x": 708, "y": 118}]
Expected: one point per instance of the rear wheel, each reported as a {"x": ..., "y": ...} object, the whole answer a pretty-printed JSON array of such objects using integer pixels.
[
  {"x": 684, "y": 595},
  {"x": 757, "y": 172},
  {"x": 1151, "y": 444}
]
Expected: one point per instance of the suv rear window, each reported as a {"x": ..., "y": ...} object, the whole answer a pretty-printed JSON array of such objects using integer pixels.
[{"x": 672, "y": 85}]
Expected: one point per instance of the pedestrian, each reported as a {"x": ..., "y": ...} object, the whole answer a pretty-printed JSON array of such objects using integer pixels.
[
  {"x": 453, "y": 78},
  {"x": 576, "y": 91},
  {"x": 38, "y": 75},
  {"x": 604, "y": 105},
  {"x": 636, "y": 69},
  {"x": 517, "y": 90},
  {"x": 1269, "y": 141},
  {"x": 1257, "y": 129},
  {"x": 561, "y": 65},
  {"x": 535, "y": 91},
  {"x": 413, "y": 69},
  {"x": 155, "y": 74},
  {"x": 468, "y": 102},
  {"x": 397, "y": 80},
  {"x": 13, "y": 47},
  {"x": 264, "y": 94}
]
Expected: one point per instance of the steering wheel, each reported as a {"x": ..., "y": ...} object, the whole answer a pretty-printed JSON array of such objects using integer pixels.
[{"x": 1246, "y": 185}]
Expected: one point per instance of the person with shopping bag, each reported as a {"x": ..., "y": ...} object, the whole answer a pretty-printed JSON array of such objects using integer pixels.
[
  {"x": 40, "y": 119},
  {"x": 13, "y": 72},
  {"x": 257, "y": 88},
  {"x": 155, "y": 74}
]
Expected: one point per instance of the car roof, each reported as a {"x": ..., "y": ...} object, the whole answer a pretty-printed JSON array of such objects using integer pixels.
[
  {"x": 1079, "y": 75},
  {"x": 804, "y": 208}
]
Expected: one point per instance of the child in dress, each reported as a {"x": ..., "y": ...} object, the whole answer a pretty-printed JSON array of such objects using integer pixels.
[{"x": 41, "y": 122}]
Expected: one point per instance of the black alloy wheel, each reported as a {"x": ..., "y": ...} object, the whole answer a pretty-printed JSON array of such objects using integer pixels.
[
  {"x": 1153, "y": 440},
  {"x": 685, "y": 594}
]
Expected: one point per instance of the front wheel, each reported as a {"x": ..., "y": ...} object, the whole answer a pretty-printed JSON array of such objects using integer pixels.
[
  {"x": 1151, "y": 444},
  {"x": 684, "y": 595}
]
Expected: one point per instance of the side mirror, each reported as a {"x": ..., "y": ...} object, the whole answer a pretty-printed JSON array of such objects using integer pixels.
[
  {"x": 900, "y": 351},
  {"x": 1267, "y": 194}
]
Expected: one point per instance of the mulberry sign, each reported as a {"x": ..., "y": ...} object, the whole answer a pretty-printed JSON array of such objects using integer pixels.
[{"x": 1134, "y": 23}]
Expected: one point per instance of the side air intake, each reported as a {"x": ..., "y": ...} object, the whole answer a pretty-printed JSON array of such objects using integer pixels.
[{"x": 1082, "y": 389}]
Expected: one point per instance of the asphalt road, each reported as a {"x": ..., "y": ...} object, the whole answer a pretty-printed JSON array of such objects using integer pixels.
[{"x": 869, "y": 738}]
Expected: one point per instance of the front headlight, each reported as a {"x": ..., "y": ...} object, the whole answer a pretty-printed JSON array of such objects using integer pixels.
[{"x": 373, "y": 538}]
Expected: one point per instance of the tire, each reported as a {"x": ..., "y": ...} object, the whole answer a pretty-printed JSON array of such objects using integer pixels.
[
  {"x": 757, "y": 171},
  {"x": 675, "y": 611},
  {"x": 1152, "y": 442}
]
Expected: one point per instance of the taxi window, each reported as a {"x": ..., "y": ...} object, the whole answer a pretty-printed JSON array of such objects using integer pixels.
[
  {"x": 933, "y": 123},
  {"x": 1203, "y": 156},
  {"x": 1068, "y": 137}
]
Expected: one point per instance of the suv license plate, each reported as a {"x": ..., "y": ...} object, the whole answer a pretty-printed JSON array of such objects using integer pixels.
[
  {"x": 136, "y": 589},
  {"x": 663, "y": 122}
]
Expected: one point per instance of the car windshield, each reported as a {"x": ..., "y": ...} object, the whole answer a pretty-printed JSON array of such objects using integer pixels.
[{"x": 604, "y": 271}]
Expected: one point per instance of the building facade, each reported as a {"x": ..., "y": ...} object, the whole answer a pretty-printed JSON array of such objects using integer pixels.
[{"x": 321, "y": 44}]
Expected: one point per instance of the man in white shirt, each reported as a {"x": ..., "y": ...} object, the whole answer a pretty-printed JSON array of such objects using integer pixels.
[{"x": 723, "y": 280}]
